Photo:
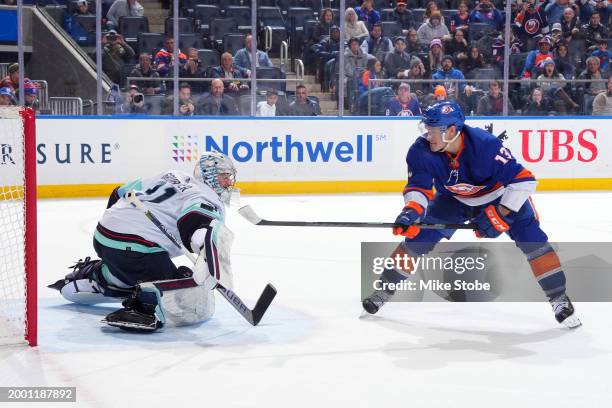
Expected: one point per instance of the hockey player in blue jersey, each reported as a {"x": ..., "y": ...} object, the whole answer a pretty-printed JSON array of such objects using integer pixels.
[{"x": 475, "y": 179}]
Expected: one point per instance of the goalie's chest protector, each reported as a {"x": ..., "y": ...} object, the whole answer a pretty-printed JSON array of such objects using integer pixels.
[{"x": 169, "y": 196}]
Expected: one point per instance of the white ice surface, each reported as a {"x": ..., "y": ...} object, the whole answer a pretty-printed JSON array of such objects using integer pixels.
[{"x": 312, "y": 349}]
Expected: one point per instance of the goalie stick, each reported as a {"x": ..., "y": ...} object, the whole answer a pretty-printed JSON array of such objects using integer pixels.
[
  {"x": 250, "y": 214},
  {"x": 254, "y": 315}
]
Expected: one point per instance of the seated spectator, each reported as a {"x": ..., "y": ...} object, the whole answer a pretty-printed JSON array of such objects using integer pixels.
[
  {"x": 378, "y": 45},
  {"x": 6, "y": 96},
  {"x": 231, "y": 74},
  {"x": 403, "y": 16},
  {"x": 592, "y": 72},
  {"x": 412, "y": 42},
  {"x": 123, "y": 8},
  {"x": 435, "y": 55},
  {"x": 531, "y": 21},
  {"x": 145, "y": 69},
  {"x": 268, "y": 107},
  {"x": 355, "y": 62},
  {"x": 458, "y": 46},
  {"x": 485, "y": 12},
  {"x": 461, "y": 19},
  {"x": 74, "y": 29},
  {"x": 367, "y": 14},
  {"x": 217, "y": 103},
  {"x": 403, "y": 104},
  {"x": 538, "y": 104},
  {"x": 556, "y": 36},
  {"x": 554, "y": 10},
  {"x": 133, "y": 102},
  {"x": 602, "y": 104},
  {"x": 457, "y": 91},
  {"x": 372, "y": 73},
  {"x": 603, "y": 7},
  {"x": 186, "y": 105},
  {"x": 552, "y": 84},
  {"x": 430, "y": 8},
  {"x": 353, "y": 28},
  {"x": 603, "y": 54},
  {"x": 397, "y": 60},
  {"x": 164, "y": 59},
  {"x": 499, "y": 45},
  {"x": 473, "y": 60},
  {"x": 11, "y": 81},
  {"x": 30, "y": 91},
  {"x": 570, "y": 24},
  {"x": 440, "y": 93},
  {"x": 530, "y": 68},
  {"x": 492, "y": 103},
  {"x": 302, "y": 105},
  {"x": 193, "y": 69},
  {"x": 434, "y": 28},
  {"x": 243, "y": 56},
  {"x": 115, "y": 54},
  {"x": 82, "y": 8},
  {"x": 415, "y": 74},
  {"x": 323, "y": 28},
  {"x": 593, "y": 31},
  {"x": 327, "y": 49},
  {"x": 563, "y": 63}
]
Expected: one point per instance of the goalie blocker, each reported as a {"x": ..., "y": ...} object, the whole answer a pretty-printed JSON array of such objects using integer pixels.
[{"x": 136, "y": 257}]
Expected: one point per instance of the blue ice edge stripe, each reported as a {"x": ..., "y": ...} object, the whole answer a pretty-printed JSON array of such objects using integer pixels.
[{"x": 315, "y": 118}]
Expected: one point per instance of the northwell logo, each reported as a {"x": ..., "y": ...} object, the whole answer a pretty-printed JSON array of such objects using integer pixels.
[{"x": 278, "y": 149}]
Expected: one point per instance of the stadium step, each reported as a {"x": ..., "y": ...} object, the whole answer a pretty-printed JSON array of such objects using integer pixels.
[{"x": 156, "y": 14}]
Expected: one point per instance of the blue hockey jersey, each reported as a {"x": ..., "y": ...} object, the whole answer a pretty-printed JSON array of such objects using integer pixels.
[
  {"x": 482, "y": 171},
  {"x": 394, "y": 107}
]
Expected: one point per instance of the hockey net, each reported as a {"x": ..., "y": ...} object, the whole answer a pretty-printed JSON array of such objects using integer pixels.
[{"x": 17, "y": 226}]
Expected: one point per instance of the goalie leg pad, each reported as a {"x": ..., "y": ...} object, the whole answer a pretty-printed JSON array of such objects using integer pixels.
[{"x": 184, "y": 302}]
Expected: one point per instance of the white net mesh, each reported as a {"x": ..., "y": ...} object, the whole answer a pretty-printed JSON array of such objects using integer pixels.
[{"x": 12, "y": 228}]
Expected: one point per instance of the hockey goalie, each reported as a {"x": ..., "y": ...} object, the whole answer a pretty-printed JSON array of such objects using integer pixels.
[{"x": 135, "y": 265}]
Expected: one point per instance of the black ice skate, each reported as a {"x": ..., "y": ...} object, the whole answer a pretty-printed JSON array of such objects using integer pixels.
[
  {"x": 82, "y": 269},
  {"x": 376, "y": 300},
  {"x": 564, "y": 311},
  {"x": 135, "y": 316}
]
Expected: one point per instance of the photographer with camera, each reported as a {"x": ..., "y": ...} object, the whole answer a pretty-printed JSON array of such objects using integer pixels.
[
  {"x": 485, "y": 12},
  {"x": 115, "y": 54},
  {"x": 193, "y": 69},
  {"x": 133, "y": 102}
]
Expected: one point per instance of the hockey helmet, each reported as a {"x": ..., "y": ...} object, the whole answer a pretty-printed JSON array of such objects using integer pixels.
[
  {"x": 439, "y": 117},
  {"x": 210, "y": 167}
]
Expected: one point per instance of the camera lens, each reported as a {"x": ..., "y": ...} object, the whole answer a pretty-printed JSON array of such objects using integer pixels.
[{"x": 138, "y": 98}]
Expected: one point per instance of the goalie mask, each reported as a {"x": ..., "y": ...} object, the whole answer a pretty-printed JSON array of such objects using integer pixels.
[{"x": 217, "y": 171}]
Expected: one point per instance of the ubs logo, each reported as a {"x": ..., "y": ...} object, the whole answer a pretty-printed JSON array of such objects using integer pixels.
[{"x": 5, "y": 154}]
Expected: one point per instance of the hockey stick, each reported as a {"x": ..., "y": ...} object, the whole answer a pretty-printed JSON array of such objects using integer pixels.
[
  {"x": 265, "y": 299},
  {"x": 248, "y": 213}
]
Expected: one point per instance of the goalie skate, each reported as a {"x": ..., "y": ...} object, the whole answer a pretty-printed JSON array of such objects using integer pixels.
[{"x": 132, "y": 320}]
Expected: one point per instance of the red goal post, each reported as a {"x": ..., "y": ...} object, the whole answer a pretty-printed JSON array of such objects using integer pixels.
[{"x": 18, "y": 297}]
